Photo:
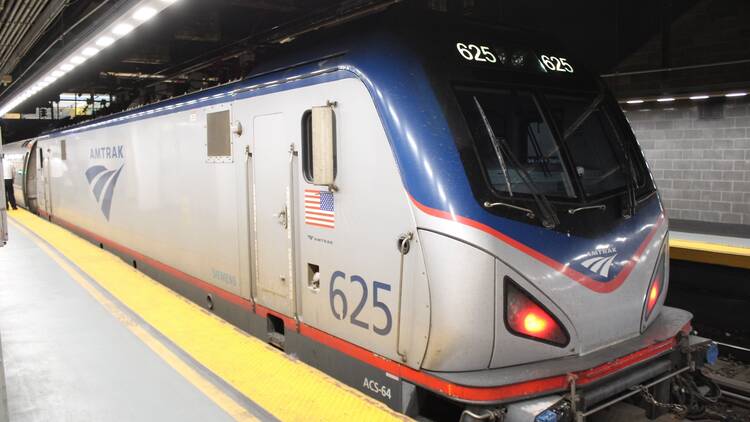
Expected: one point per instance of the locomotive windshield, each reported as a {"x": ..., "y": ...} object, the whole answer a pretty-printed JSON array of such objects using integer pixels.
[{"x": 532, "y": 142}]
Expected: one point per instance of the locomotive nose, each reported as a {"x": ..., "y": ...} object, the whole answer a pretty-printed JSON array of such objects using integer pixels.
[
  {"x": 469, "y": 327},
  {"x": 528, "y": 311}
]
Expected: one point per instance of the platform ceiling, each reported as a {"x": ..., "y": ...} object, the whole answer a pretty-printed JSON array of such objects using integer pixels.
[{"x": 199, "y": 43}]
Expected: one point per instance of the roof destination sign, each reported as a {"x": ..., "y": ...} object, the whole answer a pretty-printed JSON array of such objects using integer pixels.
[{"x": 514, "y": 59}]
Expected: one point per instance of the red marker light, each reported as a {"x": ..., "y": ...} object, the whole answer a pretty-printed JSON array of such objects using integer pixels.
[
  {"x": 534, "y": 324},
  {"x": 653, "y": 295},
  {"x": 656, "y": 287},
  {"x": 526, "y": 318}
]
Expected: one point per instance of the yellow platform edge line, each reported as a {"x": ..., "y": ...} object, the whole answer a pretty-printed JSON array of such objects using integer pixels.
[
  {"x": 286, "y": 388},
  {"x": 709, "y": 253},
  {"x": 221, "y": 399}
]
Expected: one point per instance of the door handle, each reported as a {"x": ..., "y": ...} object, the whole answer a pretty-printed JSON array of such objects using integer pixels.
[{"x": 281, "y": 217}]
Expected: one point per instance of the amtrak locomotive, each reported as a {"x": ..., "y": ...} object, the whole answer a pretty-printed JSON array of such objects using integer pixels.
[{"x": 442, "y": 214}]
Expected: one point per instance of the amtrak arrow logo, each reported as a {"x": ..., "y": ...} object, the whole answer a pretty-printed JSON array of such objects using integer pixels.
[
  {"x": 102, "y": 182},
  {"x": 599, "y": 264}
]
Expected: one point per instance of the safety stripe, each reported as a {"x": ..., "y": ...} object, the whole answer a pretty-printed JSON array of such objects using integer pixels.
[
  {"x": 588, "y": 282},
  {"x": 709, "y": 253},
  {"x": 429, "y": 381},
  {"x": 283, "y": 386},
  {"x": 226, "y": 402}
]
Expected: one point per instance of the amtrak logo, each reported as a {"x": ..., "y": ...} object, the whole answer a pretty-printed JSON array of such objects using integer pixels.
[
  {"x": 600, "y": 261},
  {"x": 102, "y": 182}
]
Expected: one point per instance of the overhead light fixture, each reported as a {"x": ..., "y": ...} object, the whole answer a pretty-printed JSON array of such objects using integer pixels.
[
  {"x": 90, "y": 51},
  {"x": 122, "y": 29},
  {"x": 102, "y": 37},
  {"x": 144, "y": 13},
  {"x": 699, "y": 97},
  {"x": 736, "y": 94},
  {"x": 635, "y": 101},
  {"x": 105, "y": 41},
  {"x": 665, "y": 100}
]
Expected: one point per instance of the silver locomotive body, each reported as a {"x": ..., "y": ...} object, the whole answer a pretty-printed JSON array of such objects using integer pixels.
[{"x": 402, "y": 262}]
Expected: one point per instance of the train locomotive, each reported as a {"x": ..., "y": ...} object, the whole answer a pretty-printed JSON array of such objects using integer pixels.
[{"x": 440, "y": 213}]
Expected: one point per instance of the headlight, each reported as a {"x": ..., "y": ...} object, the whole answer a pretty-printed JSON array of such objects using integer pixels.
[{"x": 526, "y": 317}]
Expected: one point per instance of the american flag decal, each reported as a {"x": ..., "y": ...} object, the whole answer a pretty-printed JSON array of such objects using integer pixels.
[{"x": 319, "y": 209}]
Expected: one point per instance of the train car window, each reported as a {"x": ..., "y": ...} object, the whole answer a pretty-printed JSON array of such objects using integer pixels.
[
  {"x": 598, "y": 159},
  {"x": 63, "y": 150},
  {"x": 514, "y": 143},
  {"x": 307, "y": 147},
  {"x": 219, "y": 142},
  {"x": 41, "y": 158}
]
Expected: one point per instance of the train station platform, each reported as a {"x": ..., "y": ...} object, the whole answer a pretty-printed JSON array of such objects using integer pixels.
[
  {"x": 86, "y": 337},
  {"x": 710, "y": 249}
]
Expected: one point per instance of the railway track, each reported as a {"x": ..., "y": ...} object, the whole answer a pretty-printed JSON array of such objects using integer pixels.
[{"x": 733, "y": 378}]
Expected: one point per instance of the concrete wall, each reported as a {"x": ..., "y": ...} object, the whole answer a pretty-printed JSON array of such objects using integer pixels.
[{"x": 701, "y": 163}]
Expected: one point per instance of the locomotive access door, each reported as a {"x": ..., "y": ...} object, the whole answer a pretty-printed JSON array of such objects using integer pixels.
[
  {"x": 44, "y": 198},
  {"x": 273, "y": 246}
]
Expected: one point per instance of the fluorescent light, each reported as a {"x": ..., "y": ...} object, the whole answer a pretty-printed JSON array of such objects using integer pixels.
[
  {"x": 635, "y": 101},
  {"x": 90, "y": 51},
  {"x": 103, "y": 37},
  {"x": 699, "y": 97},
  {"x": 144, "y": 13},
  {"x": 736, "y": 94},
  {"x": 122, "y": 29},
  {"x": 665, "y": 100},
  {"x": 105, "y": 41}
]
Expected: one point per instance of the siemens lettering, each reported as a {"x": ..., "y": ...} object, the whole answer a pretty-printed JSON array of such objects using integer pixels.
[{"x": 106, "y": 152}]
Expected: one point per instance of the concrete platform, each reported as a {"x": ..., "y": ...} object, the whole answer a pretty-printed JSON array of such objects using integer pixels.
[
  {"x": 710, "y": 249},
  {"x": 67, "y": 358},
  {"x": 86, "y": 337}
]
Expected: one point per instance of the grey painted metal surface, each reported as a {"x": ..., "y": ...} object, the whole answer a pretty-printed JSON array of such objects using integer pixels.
[
  {"x": 67, "y": 358},
  {"x": 273, "y": 244},
  {"x": 439, "y": 307},
  {"x": 664, "y": 327}
]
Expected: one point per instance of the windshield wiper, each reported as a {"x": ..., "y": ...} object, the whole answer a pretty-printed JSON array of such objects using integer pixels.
[
  {"x": 497, "y": 148},
  {"x": 549, "y": 218},
  {"x": 630, "y": 174},
  {"x": 529, "y": 213},
  {"x": 600, "y": 207},
  {"x": 585, "y": 115}
]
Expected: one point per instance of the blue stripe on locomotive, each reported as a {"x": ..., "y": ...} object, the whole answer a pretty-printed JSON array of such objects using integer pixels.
[{"x": 418, "y": 132}]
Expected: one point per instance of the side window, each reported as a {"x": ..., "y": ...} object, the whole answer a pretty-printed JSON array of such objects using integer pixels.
[
  {"x": 63, "y": 150},
  {"x": 41, "y": 157},
  {"x": 219, "y": 140},
  {"x": 307, "y": 146}
]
